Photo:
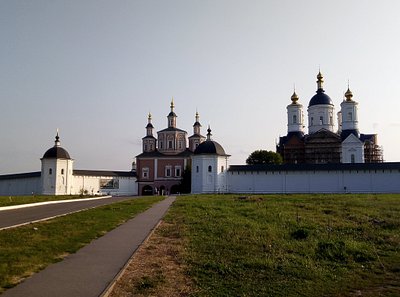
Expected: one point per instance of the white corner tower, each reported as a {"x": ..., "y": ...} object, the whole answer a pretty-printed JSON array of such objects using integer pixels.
[
  {"x": 209, "y": 167},
  {"x": 320, "y": 109},
  {"x": 57, "y": 171}
]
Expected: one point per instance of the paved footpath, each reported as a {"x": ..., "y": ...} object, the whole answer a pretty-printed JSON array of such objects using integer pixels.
[{"x": 91, "y": 270}]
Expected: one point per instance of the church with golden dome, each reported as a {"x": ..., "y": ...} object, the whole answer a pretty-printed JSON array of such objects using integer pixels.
[{"x": 325, "y": 143}]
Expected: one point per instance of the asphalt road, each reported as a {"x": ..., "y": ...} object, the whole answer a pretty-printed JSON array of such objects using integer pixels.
[
  {"x": 20, "y": 216},
  {"x": 91, "y": 271}
]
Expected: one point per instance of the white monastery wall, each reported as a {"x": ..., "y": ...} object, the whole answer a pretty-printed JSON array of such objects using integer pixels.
[
  {"x": 20, "y": 186},
  {"x": 336, "y": 181}
]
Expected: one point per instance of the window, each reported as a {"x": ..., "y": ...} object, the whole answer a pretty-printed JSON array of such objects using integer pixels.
[
  {"x": 180, "y": 144},
  {"x": 321, "y": 120},
  {"x": 197, "y": 169},
  {"x": 353, "y": 158},
  {"x": 50, "y": 171},
  {"x": 350, "y": 116},
  {"x": 294, "y": 119},
  {"x": 312, "y": 121},
  {"x": 210, "y": 168},
  {"x": 177, "y": 171},
  {"x": 331, "y": 120},
  {"x": 145, "y": 172},
  {"x": 62, "y": 171},
  {"x": 170, "y": 144},
  {"x": 222, "y": 168},
  {"x": 145, "y": 147},
  {"x": 161, "y": 144},
  {"x": 168, "y": 171}
]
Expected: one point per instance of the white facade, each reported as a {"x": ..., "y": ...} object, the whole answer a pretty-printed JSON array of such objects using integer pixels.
[
  {"x": 385, "y": 179},
  {"x": 352, "y": 150},
  {"x": 56, "y": 177},
  {"x": 320, "y": 117},
  {"x": 209, "y": 174},
  {"x": 295, "y": 115}
]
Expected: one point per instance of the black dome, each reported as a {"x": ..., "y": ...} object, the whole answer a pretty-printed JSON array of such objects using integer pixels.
[
  {"x": 56, "y": 152},
  {"x": 320, "y": 98},
  {"x": 210, "y": 147}
]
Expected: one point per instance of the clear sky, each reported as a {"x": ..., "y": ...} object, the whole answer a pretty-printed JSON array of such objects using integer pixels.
[{"x": 94, "y": 69}]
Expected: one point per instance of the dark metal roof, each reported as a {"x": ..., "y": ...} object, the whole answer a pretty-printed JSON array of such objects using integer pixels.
[
  {"x": 317, "y": 167},
  {"x": 104, "y": 173},
  {"x": 149, "y": 136},
  {"x": 149, "y": 125},
  {"x": 197, "y": 135},
  {"x": 320, "y": 98},
  {"x": 172, "y": 114},
  {"x": 345, "y": 133},
  {"x": 210, "y": 147},
  {"x": 157, "y": 154},
  {"x": 56, "y": 152},
  {"x": 196, "y": 124},
  {"x": 171, "y": 129},
  {"x": 367, "y": 137},
  {"x": 21, "y": 175}
]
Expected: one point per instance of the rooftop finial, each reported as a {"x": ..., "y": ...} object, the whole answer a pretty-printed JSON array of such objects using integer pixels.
[
  {"x": 320, "y": 80},
  {"x": 348, "y": 94},
  {"x": 172, "y": 104},
  {"x": 57, "y": 142},
  {"x": 294, "y": 97},
  {"x": 209, "y": 133}
]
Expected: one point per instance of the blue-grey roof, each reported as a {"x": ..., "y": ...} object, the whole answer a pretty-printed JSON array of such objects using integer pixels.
[
  {"x": 21, "y": 175},
  {"x": 320, "y": 98},
  {"x": 104, "y": 173},
  {"x": 210, "y": 147},
  {"x": 56, "y": 152}
]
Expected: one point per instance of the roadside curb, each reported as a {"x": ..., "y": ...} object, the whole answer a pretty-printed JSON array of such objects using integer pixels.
[{"x": 50, "y": 202}]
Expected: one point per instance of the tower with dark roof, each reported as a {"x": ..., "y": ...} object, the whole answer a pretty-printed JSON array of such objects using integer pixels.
[
  {"x": 57, "y": 170},
  {"x": 149, "y": 141},
  {"x": 196, "y": 138},
  {"x": 320, "y": 109},
  {"x": 209, "y": 167}
]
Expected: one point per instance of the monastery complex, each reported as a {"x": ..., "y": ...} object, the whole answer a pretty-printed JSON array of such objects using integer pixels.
[{"x": 324, "y": 160}]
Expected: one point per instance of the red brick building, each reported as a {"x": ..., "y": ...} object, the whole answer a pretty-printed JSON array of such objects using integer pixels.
[{"x": 163, "y": 160}]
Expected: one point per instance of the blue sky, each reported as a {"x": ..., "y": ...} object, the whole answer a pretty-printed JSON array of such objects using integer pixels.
[{"x": 94, "y": 69}]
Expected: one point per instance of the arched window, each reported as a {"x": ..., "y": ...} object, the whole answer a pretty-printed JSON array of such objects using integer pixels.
[
  {"x": 294, "y": 119},
  {"x": 50, "y": 171},
  {"x": 353, "y": 158},
  {"x": 62, "y": 171},
  {"x": 197, "y": 168},
  {"x": 222, "y": 168},
  {"x": 321, "y": 120},
  {"x": 210, "y": 168}
]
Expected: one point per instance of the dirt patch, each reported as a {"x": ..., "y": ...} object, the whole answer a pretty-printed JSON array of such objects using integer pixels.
[{"x": 157, "y": 268}]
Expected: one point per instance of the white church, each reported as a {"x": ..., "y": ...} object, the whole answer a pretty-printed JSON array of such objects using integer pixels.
[{"x": 322, "y": 161}]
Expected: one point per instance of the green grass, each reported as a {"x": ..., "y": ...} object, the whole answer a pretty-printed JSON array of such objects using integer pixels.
[
  {"x": 28, "y": 249},
  {"x": 291, "y": 245},
  {"x": 17, "y": 200}
]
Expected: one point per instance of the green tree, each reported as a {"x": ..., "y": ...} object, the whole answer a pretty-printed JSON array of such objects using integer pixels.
[
  {"x": 264, "y": 157},
  {"x": 185, "y": 185}
]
